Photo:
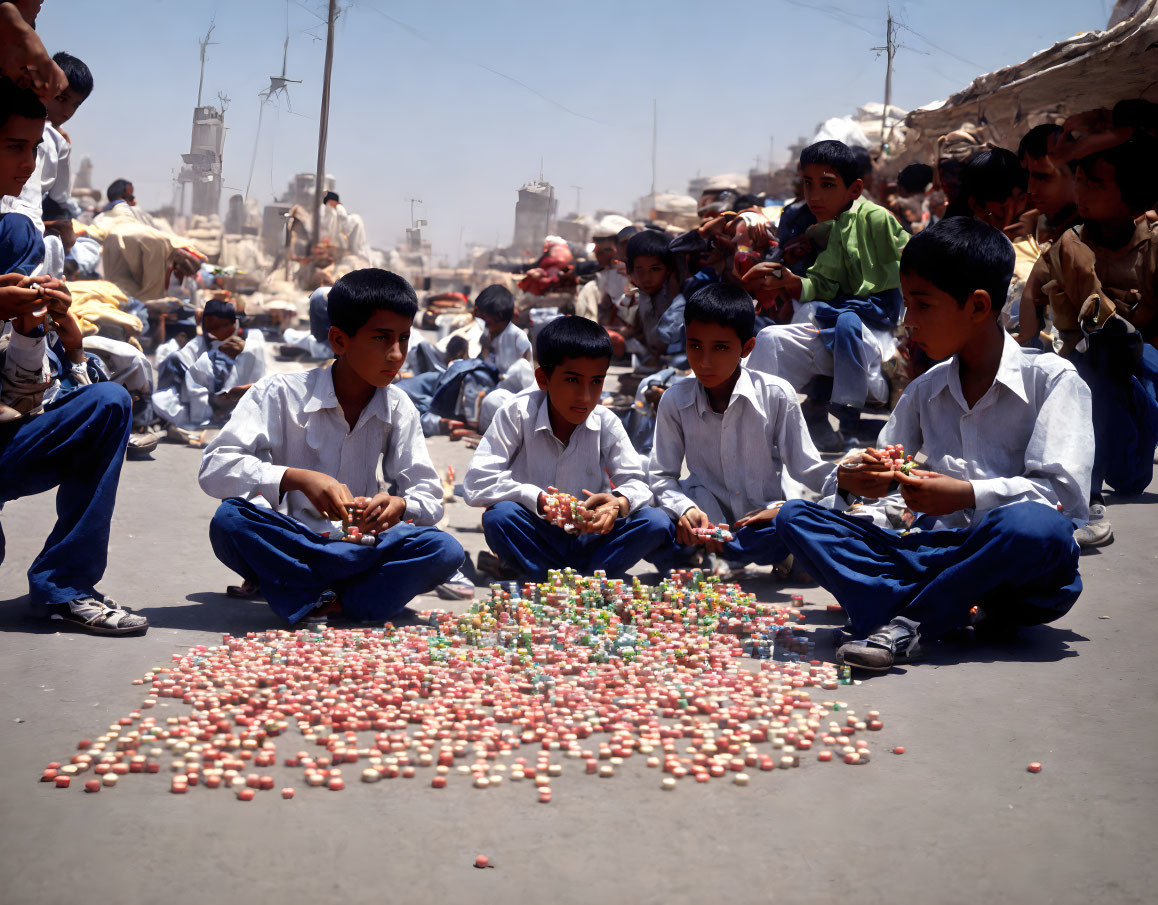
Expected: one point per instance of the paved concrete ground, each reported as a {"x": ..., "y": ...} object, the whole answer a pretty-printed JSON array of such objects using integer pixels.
[{"x": 956, "y": 819}]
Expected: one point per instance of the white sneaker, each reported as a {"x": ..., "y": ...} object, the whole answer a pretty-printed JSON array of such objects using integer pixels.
[{"x": 1098, "y": 531}]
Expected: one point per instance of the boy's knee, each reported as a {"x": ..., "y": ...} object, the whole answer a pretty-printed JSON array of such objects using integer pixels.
[
  {"x": 790, "y": 515},
  {"x": 1034, "y": 527},
  {"x": 849, "y": 322},
  {"x": 109, "y": 399},
  {"x": 655, "y": 521},
  {"x": 501, "y": 515},
  {"x": 226, "y": 519},
  {"x": 447, "y": 551}
]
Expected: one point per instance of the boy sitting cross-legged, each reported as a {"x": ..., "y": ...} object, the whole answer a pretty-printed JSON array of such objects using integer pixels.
[
  {"x": 300, "y": 447},
  {"x": 559, "y": 436},
  {"x": 738, "y": 431},
  {"x": 1008, "y": 444}
]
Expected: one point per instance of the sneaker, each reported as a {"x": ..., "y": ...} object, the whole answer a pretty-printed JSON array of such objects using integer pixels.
[
  {"x": 457, "y": 587},
  {"x": 101, "y": 617},
  {"x": 1098, "y": 531},
  {"x": 491, "y": 565},
  {"x": 897, "y": 642}
]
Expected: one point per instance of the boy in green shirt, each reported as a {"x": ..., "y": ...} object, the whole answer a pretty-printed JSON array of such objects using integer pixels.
[{"x": 848, "y": 302}]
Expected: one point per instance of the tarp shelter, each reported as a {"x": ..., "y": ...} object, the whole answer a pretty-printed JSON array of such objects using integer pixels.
[{"x": 1092, "y": 69}]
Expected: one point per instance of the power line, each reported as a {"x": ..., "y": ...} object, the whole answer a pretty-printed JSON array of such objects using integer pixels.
[
  {"x": 980, "y": 68},
  {"x": 502, "y": 75}
]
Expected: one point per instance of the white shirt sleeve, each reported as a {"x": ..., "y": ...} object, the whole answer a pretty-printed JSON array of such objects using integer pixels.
[
  {"x": 239, "y": 460},
  {"x": 797, "y": 451},
  {"x": 623, "y": 465},
  {"x": 667, "y": 458},
  {"x": 488, "y": 478},
  {"x": 198, "y": 390},
  {"x": 1058, "y": 458},
  {"x": 407, "y": 462}
]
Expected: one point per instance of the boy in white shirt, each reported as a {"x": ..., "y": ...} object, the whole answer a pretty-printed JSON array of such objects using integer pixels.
[
  {"x": 1007, "y": 440},
  {"x": 301, "y": 447},
  {"x": 738, "y": 430},
  {"x": 559, "y": 437},
  {"x": 201, "y": 383},
  {"x": 52, "y": 176}
]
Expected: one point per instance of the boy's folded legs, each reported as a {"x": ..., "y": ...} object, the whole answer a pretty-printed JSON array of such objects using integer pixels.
[
  {"x": 533, "y": 546},
  {"x": 934, "y": 578},
  {"x": 78, "y": 444},
  {"x": 294, "y": 565}
]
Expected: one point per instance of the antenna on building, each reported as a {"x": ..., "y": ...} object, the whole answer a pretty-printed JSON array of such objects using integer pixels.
[
  {"x": 278, "y": 85},
  {"x": 204, "y": 42}
]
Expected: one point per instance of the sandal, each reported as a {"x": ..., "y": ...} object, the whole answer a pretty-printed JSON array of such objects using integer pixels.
[
  {"x": 245, "y": 591},
  {"x": 99, "y": 617}
]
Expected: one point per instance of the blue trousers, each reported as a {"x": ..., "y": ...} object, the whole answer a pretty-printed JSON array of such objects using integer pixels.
[
  {"x": 1124, "y": 404},
  {"x": 533, "y": 546},
  {"x": 1019, "y": 563},
  {"x": 759, "y": 544},
  {"x": 76, "y": 444},
  {"x": 841, "y": 323},
  {"x": 294, "y": 565}
]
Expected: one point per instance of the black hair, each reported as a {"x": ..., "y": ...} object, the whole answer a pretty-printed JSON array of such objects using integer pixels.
[
  {"x": 331, "y": 196},
  {"x": 724, "y": 304},
  {"x": 116, "y": 189},
  {"x": 457, "y": 347},
  {"x": 1035, "y": 142},
  {"x": 960, "y": 255},
  {"x": 1135, "y": 113},
  {"x": 570, "y": 337},
  {"x": 649, "y": 243},
  {"x": 1134, "y": 173},
  {"x": 496, "y": 301},
  {"x": 17, "y": 101},
  {"x": 78, "y": 74},
  {"x": 864, "y": 160},
  {"x": 743, "y": 202},
  {"x": 357, "y": 295},
  {"x": 626, "y": 233},
  {"x": 915, "y": 177},
  {"x": 834, "y": 154},
  {"x": 993, "y": 175}
]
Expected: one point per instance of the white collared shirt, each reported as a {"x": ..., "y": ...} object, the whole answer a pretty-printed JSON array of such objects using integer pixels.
[
  {"x": 1030, "y": 437},
  {"x": 295, "y": 421},
  {"x": 735, "y": 459},
  {"x": 508, "y": 347},
  {"x": 520, "y": 457},
  {"x": 189, "y": 406}
]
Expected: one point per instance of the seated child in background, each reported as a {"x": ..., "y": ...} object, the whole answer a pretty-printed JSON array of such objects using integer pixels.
[
  {"x": 1050, "y": 184},
  {"x": 77, "y": 442},
  {"x": 993, "y": 191},
  {"x": 200, "y": 384},
  {"x": 737, "y": 430},
  {"x": 51, "y": 175},
  {"x": 1100, "y": 281},
  {"x": 653, "y": 307},
  {"x": 559, "y": 437},
  {"x": 301, "y": 447},
  {"x": 1006, "y": 437},
  {"x": 855, "y": 285}
]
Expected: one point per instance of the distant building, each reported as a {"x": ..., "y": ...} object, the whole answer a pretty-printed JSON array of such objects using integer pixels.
[
  {"x": 203, "y": 162},
  {"x": 534, "y": 216}
]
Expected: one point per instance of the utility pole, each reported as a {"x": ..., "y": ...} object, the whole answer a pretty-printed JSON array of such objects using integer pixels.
[
  {"x": 771, "y": 148},
  {"x": 578, "y": 195},
  {"x": 324, "y": 125},
  {"x": 890, "y": 48}
]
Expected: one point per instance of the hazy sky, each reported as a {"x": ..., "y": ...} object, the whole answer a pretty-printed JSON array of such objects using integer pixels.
[{"x": 416, "y": 113}]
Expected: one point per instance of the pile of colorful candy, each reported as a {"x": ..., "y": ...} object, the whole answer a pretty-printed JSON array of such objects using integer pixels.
[
  {"x": 348, "y": 529},
  {"x": 589, "y": 669},
  {"x": 901, "y": 462},
  {"x": 563, "y": 510},
  {"x": 715, "y": 532}
]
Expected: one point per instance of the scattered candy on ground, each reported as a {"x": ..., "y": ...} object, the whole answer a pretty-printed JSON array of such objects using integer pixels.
[
  {"x": 1035, "y": 767},
  {"x": 589, "y": 669},
  {"x": 482, "y": 861}
]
